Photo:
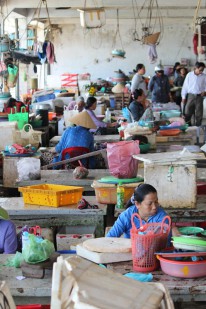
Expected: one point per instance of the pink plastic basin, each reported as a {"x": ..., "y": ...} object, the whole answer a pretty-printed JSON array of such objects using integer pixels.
[{"x": 183, "y": 269}]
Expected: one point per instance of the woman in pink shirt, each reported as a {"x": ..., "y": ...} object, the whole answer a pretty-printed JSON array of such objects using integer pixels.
[{"x": 8, "y": 237}]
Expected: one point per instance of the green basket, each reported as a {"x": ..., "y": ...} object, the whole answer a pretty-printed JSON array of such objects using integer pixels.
[{"x": 21, "y": 118}]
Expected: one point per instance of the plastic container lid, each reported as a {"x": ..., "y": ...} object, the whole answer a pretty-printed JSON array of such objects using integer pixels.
[{"x": 189, "y": 230}]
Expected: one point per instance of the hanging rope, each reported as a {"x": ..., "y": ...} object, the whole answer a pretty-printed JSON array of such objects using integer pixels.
[
  {"x": 117, "y": 33},
  {"x": 151, "y": 23},
  {"x": 196, "y": 14}
]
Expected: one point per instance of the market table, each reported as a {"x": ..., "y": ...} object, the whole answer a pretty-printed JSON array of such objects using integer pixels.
[
  {"x": 180, "y": 215},
  {"x": 181, "y": 290},
  {"x": 181, "y": 139},
  {"x": 65, "y": 177},
  {"x": 97, "y": 139},
  {"x": 43, "y": 216},
  {"x": 30, "y": 291}
]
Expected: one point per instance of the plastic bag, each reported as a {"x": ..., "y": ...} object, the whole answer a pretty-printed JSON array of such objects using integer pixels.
[
  {"x": 15, "y": 261},
  {"x": 140, "y": 277},
  {"x": 120, "y": 160},
  {"x": 148, "y": 115},
  {"x": 28, "y": 169},
  {"x": 69, "y": 114},
  {"x": 21, "y": 118},
  {"x": 126, "y": 114},
  {"x": 37, "y": 249},
  {"x": 12, "y": 76}
]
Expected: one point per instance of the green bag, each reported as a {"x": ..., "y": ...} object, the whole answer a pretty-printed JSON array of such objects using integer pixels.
[
  {"x": 12, "y": 75},
  {"x": 37, "y": 249},
  {"x": 21, "y": 118}
]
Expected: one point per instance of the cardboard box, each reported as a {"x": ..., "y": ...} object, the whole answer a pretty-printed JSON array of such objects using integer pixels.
[{"x": 69, "y": 236}]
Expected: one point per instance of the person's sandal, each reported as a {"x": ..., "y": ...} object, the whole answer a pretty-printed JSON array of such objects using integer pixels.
[{"x": 93, "y": 206}]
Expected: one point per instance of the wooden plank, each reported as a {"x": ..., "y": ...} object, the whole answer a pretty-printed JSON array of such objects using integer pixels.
[{"x": 86, "y": 288}]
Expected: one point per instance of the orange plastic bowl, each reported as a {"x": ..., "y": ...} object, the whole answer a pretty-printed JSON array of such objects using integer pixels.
[{"x": 171, "y": 132}]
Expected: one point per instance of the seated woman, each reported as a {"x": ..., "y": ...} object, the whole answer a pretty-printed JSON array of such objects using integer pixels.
[
  {"x": 78, "y": 104},
  {"x": 146, "y": 205},
  {"x": 77, "y": 136},
  {"x": 136, "y": 107},
  {"x": 90, "y": 106},
  {"x": 8, "y": 239}
]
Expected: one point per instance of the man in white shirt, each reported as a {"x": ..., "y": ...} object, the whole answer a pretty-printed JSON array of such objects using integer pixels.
[{"x": 193, "y": 91}]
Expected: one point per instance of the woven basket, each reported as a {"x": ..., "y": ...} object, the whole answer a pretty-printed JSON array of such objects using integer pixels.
[{"x": 151, "y": 39}]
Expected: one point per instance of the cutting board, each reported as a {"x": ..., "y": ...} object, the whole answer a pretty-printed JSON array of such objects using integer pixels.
[{"x": 102, "y": 258}]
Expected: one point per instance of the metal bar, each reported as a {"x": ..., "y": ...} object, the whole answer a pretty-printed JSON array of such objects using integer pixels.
[{"x": 87, "y": 155}]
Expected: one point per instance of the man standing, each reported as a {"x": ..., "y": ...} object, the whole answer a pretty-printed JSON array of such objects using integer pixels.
[
  {"x": 159, "y": 86},
  {"x": 193, "y": 91}
]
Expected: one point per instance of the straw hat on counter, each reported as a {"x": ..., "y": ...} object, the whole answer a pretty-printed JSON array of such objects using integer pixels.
[{"x": 118, "y": 88}]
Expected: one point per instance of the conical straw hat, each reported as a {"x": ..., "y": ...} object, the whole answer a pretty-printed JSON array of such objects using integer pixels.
[
  {"x": 83, "y": 119},
  {"x": 119, "y": 88},
  {"x": 3, "y": 214}
]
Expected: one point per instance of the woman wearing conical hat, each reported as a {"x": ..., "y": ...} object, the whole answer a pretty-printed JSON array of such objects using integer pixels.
[
  {"x": 90, "y": 106},
  {"x": 77, "y": 136},
  {"x": 8, "y": 239}
]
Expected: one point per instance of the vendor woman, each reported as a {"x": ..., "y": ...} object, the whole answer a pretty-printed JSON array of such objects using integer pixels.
[
  {"x": 147, "y": 206},
  {"x": 136, "y": 107},
  {"x": 8, "y": 238},
  {"x": 90, "y": 106},
  {"x": 77, "y": 136}
]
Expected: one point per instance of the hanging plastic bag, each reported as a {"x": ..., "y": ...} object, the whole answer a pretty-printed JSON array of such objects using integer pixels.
[
  {"x": 69, "y": 114},
  {"x": 12, "y": 75},
  {"x": 120, "y": 160},
  {"x": 37, "y": 249},
  {"x": 127, "y": 114}
]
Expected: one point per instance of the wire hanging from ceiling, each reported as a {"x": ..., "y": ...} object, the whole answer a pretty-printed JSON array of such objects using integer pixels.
[
  {"x": 117, "y": 52},
  {"x": 150, "y": 24}
]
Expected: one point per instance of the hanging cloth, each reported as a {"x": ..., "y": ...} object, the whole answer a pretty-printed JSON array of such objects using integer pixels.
[
  {"x": 195, "y": 43},
  {"x": 152, "y": 53},
  {"x": 50, "y": 52}
]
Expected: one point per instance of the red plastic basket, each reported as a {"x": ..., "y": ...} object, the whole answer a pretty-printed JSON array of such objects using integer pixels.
[
  {"x": 33, "y": 306},
  {"x": 148, "y": 239}
]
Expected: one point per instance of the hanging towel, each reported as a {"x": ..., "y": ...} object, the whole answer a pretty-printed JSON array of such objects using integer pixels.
[
  {"x": 50, "y": 52},
  {"x": 152, "y": 53}
]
